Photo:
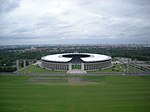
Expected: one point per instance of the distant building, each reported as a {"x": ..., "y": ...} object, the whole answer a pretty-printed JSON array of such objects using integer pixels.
[{"x": 80, "y": 61}]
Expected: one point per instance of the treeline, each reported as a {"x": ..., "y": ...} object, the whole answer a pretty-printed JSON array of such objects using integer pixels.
[
  {"x": 7, "y": 69},
  {"x": 142, "y": 54},
  {"x": 8, "y": 57}
]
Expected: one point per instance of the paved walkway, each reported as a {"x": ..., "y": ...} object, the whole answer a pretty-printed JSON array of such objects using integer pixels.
[
  {"x": 65, "y": 74},
  {"x": 76, "y": 71}
]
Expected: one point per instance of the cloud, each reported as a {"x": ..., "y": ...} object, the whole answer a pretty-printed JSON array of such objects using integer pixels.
[
  {"x": 8, "y": 5},
  {"x": 57, "y": 20}
]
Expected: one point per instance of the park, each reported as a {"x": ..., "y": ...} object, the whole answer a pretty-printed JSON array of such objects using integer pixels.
[{"x": 39, "y": 90}]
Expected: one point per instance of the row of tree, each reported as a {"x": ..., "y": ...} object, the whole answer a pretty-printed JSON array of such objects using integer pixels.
[
  {"x": 7, "y": 69},
  {"x": 8, "y": 58}
]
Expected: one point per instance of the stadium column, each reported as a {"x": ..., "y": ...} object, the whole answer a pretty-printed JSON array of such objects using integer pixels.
[
  {"x": 24, "y": 63},
  {"x": 70, "y": 66},
  {"x": 82, "y": 66},
  {"x": 128, "y": 65},
  {"x": 135, "y": 66},
  {"x": 17, "y": 64}
]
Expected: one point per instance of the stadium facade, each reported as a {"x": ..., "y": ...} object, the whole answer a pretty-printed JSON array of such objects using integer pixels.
[{"x": 80, "y": 61}]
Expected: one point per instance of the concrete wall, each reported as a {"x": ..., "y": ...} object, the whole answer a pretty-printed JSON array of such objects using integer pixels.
[
  {"x": 55, "y": 66},
  {"x": 85, "y": 66}
]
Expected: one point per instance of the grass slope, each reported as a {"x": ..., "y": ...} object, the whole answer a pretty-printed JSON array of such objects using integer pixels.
[
  {"x": 36, "y": 69},
  {"x": 119, "y": 68},
  {"x": 109, "y": 94}
]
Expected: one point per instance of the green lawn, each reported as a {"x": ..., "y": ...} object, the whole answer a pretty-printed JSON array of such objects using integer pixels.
[
  {"x": 36, "y": 69},
  {"x": 94, "y": 94},
  {"x": 76, "y": 66},
  {"x": 119, "y": 68}
]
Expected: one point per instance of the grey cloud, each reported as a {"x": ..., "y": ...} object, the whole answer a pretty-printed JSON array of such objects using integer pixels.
[
  {"x": 8, "y": 5},
  {"x": 95, "y": 21}
]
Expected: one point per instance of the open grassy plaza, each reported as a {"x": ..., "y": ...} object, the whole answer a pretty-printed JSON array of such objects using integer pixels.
[
  {"x": 103, "y": 93},
  {"x": 116, "y": 68}
]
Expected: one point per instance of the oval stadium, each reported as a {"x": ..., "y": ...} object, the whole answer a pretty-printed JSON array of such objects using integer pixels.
[{"x": 76, "y": 61}]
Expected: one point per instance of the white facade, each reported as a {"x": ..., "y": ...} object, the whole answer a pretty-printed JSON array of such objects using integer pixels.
[{"x": 91, "y": 58}]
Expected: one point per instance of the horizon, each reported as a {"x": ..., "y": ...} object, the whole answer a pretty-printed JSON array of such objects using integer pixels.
[{"x": 69, "y": 44}]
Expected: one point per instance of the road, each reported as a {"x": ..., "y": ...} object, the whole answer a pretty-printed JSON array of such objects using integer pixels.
[{"x": 65, "y": 74}]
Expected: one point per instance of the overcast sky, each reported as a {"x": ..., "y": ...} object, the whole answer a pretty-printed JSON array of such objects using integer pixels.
[{"x": 74, "y": 21}]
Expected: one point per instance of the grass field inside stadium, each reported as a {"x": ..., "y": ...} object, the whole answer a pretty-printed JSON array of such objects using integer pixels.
[{"x": 113, "y": 93}]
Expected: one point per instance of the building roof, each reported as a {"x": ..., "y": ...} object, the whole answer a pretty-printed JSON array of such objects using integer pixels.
[{"x": 89, "y": 58}]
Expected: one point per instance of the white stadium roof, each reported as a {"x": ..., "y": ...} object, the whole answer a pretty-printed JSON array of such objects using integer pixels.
[{"x": 91, "y": 58}]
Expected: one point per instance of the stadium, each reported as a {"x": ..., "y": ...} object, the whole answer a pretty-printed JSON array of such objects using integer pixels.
[{"x": 76, "y": 61}]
